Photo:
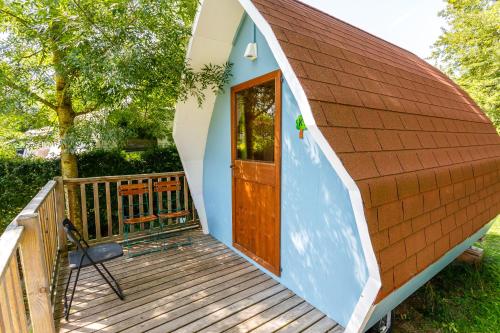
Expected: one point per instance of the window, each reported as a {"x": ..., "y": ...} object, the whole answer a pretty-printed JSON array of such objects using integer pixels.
[{"x": 255, "y": 112}]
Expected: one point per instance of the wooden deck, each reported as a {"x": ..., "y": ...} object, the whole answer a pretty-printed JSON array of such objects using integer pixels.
[{"x": 204, "y": 287}]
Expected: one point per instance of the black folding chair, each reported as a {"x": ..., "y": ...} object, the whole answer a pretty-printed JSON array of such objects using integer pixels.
[{"x": 86, "y": 255}]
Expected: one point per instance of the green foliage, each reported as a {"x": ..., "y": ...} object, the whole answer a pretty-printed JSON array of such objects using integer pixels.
[
  {"x": 110, "y": 163},
  {"x": 461, "y": 298},
  {"x": 469, "y": 51},
  {"x": 21, "y": 179},
  {"x": 13, "y": 126},
  {"x": 122, "y": 64}
]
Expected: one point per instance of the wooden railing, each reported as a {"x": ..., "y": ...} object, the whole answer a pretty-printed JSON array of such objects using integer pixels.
[
  {"x": 36, "y": 237},
  {"x": 102, "y": 209},
  {"x": 13, "y": 317}
]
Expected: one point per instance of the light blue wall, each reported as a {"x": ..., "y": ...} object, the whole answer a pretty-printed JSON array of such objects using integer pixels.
[{"x": 321, "y": 254}]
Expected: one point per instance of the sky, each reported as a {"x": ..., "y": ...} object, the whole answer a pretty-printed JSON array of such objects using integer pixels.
[{"x": 411, "y": 24}]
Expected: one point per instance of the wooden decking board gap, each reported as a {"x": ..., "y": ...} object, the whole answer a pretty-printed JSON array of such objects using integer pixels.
[
  {"x": 207, "y": 269},
  {"x": 130, "y": 317},
  {"x": 107, "y": 318},
  {"x": 104, "y": 307},
  {"x": 255, "y": 309},
  {"x": 285, "y": 318},
  {"x": 92, "y": 277},
  {"x": 305, "y": 321},
  {"x": 188, "y": 299},
  {"x": 89, "y": 273},
  {"x": 205, "y": 287},
  {"x": 136, "y": 278},
  {"x": 195, "y": 305},
  {"x": 265, "y": 316},
  {"x": 337, "y": 329},
  {"x": 153, "y": 258},
  {"x": 118, "y": 262},
  {"x": 323, "y": 325},
  {"x": 214, "y": 306},
  {"x": 216, "y": 256},
  {"x": 134, "y": 275},
  {"x": 180, "y": 308},
  {"x": 230, "y": 309},
  {"x": 161, "y": 283},
  {"x": 197, "y": 241},
  {"x": 92, "y": 299},
  {"x": 116, "y": 313},
  {"x": 313, "y": 323}
]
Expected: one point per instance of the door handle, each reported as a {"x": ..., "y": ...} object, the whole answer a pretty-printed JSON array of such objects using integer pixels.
[{"x": 231, "y": 166}]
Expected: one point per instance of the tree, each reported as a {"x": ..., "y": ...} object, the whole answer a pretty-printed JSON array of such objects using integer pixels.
[
  {"x": 469, "y": 51},
  {"x": 119, "y": 64}
]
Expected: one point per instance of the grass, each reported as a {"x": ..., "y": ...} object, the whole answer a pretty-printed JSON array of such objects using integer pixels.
[{"x": 461, "y": 298}]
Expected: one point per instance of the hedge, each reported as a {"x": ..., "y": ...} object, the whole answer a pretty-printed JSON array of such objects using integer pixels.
[{"x": 21, "y": 179}]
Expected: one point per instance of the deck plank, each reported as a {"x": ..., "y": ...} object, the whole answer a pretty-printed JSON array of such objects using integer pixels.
[
  {"x": 123, "y": 264},
  {"x": 232, "y": 308},
  {"x": 285, "y": 318},
  {"x": 204, "y": 287},
  {"x": 323, "y": 325},
  {"x": 262, "y": 318},
  {"x": 249, "y": 312},
  {"x": 303, "y": 322},
  {"x": 337, "y": 329},
  {"x": 185, "y": 315},
  {"x": 88, "y": 293},
  {"x": 175, "y": 264},
  {"x": 170, "y": 297},
  {"x": 110, "y": 300},
  {"x": 118, "y": 268},
  {"x": 145, "y": 275},
  {"x": 139, "y": 315}
]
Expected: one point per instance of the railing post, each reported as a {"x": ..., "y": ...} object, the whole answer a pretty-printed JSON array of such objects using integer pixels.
[
  {"x": 60, "y": 212},
  {"x": 35, "y": 275}
]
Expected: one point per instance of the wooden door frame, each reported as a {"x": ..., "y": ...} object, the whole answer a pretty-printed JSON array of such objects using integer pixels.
[{"x": 276, "y": 76}]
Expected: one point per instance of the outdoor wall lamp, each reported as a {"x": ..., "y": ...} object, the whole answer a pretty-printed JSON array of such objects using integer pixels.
[{"x": 251, "y": 50}]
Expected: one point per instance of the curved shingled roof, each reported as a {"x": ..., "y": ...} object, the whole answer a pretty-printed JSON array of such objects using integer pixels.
[{"x": 424, "y": 156}]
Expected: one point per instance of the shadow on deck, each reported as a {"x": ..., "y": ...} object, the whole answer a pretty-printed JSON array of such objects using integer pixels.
[{"x": 204, "y": 287}]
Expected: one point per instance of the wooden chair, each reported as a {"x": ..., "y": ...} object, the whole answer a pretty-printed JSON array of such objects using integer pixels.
[
  {"x": 136, "y": 212},
  {"x": 172, "y": 207}
]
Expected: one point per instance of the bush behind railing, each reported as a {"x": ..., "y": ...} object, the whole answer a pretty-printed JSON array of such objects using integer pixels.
[{"x": 22, "y": 178}]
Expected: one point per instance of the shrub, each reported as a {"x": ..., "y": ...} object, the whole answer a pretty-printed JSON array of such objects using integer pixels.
[{"x": 21, "y": 179}]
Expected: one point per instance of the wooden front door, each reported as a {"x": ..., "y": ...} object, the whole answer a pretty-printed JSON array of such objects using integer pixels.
[{"x": 256, "y": 164}]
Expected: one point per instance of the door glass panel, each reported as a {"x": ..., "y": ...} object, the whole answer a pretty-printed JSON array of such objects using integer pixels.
[{"x": 255, "y": 110}]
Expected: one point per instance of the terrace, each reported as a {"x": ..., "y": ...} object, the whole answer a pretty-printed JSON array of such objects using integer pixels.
[{"x": 202, "y": 287}]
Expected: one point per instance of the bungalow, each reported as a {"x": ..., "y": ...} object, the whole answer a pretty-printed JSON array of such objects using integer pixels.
[{"x": 344, "y": 166}]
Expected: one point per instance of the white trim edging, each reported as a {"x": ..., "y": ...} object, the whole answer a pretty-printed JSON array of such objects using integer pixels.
[{"x": 211, "y": 41}]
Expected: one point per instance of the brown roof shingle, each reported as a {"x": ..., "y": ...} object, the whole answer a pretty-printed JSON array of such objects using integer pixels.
[{"x": 425, "y": 157}]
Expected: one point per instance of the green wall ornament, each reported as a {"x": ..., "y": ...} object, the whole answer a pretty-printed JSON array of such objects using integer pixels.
[{"x": 301, "y": 126}]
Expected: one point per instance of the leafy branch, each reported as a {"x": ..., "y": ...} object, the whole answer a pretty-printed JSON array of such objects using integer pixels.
[
  {"x": 212, "y": 77},
  {"x": 9, "y": 83}
]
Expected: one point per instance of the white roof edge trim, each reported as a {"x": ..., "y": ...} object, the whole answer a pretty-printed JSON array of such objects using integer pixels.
[
  {"x": 195, "y": 26},
  {"x": 189, "y": 117},
  {"x": 373, "y": 284},
  {"x": 200, "y": 203}
]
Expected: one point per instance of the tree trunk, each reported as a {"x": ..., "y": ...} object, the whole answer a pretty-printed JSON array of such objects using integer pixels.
[
  {"x": 66, "y": 118},
  {"x": 69, "y": 167}
]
